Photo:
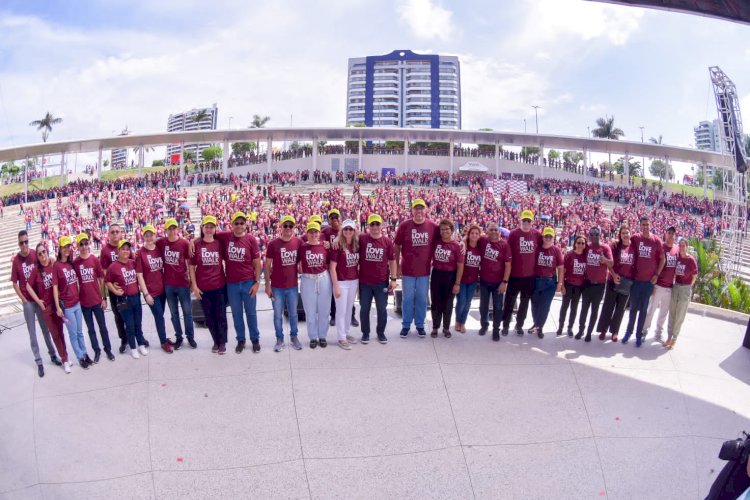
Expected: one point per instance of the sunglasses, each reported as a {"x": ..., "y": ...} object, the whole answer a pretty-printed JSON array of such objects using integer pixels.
[
  {"x": 41, "y": 252},
  {"x": 348, "y": 229},
  {"x": 333, "y": 216},
  {"x": 288, "y": 226},
  {"x": 84, "y": 243},
  {"x": 23, "y": 242},
  {"x": 548, "y": 236},
  {"x": 374, "y": 223},
  {"x": 239, "y": 223}
]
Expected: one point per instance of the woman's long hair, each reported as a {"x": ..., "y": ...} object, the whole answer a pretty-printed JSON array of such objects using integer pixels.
[
  {"x": 341, "y": 241},
  {"x": 468, "y": 232}
]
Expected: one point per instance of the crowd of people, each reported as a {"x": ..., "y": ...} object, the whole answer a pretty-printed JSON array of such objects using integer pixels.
[{"x": 327, "y": 248}]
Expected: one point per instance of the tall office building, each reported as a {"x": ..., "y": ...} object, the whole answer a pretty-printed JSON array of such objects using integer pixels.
[
  {"x": 708, "y": 137},
  {"x": 404, "y": 89},
  {"x": 186, "y": 121}
]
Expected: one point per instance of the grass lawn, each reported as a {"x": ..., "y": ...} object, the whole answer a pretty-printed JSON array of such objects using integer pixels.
[
  {"x": 672, "y": 187},
  {"x": 110, "y": 175},
  {"x": 36, "y": 184}
]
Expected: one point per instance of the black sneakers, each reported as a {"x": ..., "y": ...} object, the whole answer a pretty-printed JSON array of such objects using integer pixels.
[
  {"x": 381, "y": 338},
  {"x": 323, "y": 343},
  {"x": 110, "y": 356},
  {"x": 332, "y": 322},
  {"x": 256, "y": 346},
  {"x": 97, "y": 356},
  {"x": 366, "y": 338},
  {"x": 55, "y": 361},
  {"x": 177, "y": 344},
  {"x": 123, "y": 346},
  {"x": 495, "y": 335},
  {"x": 83, "y": 363},
  {"x": 504, "y": 332},
  {"x": 240, "y": 346},
  {"x": 483, "y": 330},
  {"x": 421, "y": 332},
  {"x": 40, "y": 370},
  {"x": 313, "y": 344},
  {"x": 355, "y": 323},
  {"x": 192, "y": 342},
  {"x": 88, "y": 360}
]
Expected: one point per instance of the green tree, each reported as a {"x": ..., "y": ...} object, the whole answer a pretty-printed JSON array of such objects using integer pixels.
[
  {"x": 14, "y": 170},
  {"x": 354, "y": 144},
  {"x": 574, "y": 157},
  {"x": 200, "y": 115},
  {"x": 605, "y": 129},
  {"x": 45, "y": 124},
  {"x": 661, "y": 169},
  {"x": 189, "y": 155},
  {"x": 157, "y": 163},
  {"x": 294, "y": 145},
  {"x": 486, "y": 148},
  {"x": 529, "y": 150},
  {"x": 5, "y": 169},
  {"x": 718, "y": 179},
  {"x": 240, "y": 148},
  {"x": 634, "y": 167},
  {"x": 211, "y": 153},
  {"x": 553, "y": 155},
  {"x": 105, "y": 162}
]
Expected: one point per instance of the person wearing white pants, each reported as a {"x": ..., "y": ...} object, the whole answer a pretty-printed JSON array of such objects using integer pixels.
[
  {"x": 315, "y": 286},
  {"x": 662, "y": 296},
  {"x": 344, "y": 268}
]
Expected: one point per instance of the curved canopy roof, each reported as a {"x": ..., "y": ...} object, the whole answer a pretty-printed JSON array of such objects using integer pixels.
[
  {"x": 732, "y": 10},
  {"x": 561, "y": 142}
]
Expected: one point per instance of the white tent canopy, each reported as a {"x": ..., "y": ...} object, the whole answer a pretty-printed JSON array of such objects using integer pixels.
[{"x": 473, "y": 166}]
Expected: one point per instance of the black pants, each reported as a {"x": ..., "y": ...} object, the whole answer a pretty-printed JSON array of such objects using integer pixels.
[
  {"x": 119, "y": 323},
  {"x": 366, "y": 293},
  {"x": 333, "y": 308},
  {"x": 89, "y": 313},
  {"x": 592, "y": 296},
  {"x": 487, "y": 290},
  {"x": 571, "y": 298},
  {"x": 612, "y": 311},
  {"x": 441, "y": 297},
  {"x": 524, "y": 286},
  {"x": 214, "y": 304}
]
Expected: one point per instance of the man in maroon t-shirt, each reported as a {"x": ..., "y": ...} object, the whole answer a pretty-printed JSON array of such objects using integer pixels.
[
  {"x": 524, "y": 242},
  {"x": 413, "y": 247},
  {"x": 176, "y": 254},
  {"x": 662, "y": 296},
  {"x": 281, "y": 281},
  {"x": 494, "y": 272},
  {"x": 598, "y": 261},
  {"x": 92, "y": 296},
  {"x": 648, "y": 262},
  {"x": 22, "y": 266},
  {"x": 107, "y": 256},
  {"x": 329, "y": 233}
]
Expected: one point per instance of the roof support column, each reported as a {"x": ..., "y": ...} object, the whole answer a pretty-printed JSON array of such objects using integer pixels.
[
  {"x": 182, "y": 163},
  {"x": 406, "y": 155},
  {"x": 141, "y": 159},
  {"x": 540, "y": 161},
  {"x": 626, "y": 166},
  {"x": 585, "y": 162},
  {"x": 62, "y": 169},
  {"x": 359, "y": 154},
  {"x": 450, "y": 152},
  {"x": 26, "y": 180},
  {"x": 99, "y": 166},
  {"x": 705, "y": 180},
  {"x": 315, "y": 154},
  {"x": 269, "y": 155},
  {"x": 225, "y": 159},
  {"x": 497, "y": 160}
]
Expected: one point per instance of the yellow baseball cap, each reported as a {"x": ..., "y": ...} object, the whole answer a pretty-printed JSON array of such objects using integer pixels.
[
  {"x": 374, "y": 218},
  {"x": 288, "y": 218},
  {"x": 149, "y": 227},
  {"x": 313, "y": 226},
  {"x": 209, "y": 219},
  {"x": 170, "y": 223},
  {"x": 548, "y": 231},
  {"x": 334, "y": 211},
  {"x": 123, "y": 243},
  {"x": 81, "y": 237},
  {"x": 65, "y": 241},
  {"x": 418, "y": 202},
  {"x": 316, "y": 218},
  {"x": 238, "y": 214},
  {"x": 527, "y": 214}
]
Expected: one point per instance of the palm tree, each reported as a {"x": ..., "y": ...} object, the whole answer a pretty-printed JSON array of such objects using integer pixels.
[
  {"x": 259, "y": 122},
  {"x": 200, "y": 115},
  {"x": 45, "y": 125},
  {"x": 606, "y": 130}
]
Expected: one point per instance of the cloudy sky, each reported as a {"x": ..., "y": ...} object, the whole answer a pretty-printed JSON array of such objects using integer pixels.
[{"x": 104, "y": 65}]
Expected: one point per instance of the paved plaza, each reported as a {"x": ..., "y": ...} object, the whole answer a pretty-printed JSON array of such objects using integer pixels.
[{"x": 417, "y": 418}]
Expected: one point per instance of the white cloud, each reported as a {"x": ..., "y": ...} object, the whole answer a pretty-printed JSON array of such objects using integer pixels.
[{"x": 426, "y": 19}]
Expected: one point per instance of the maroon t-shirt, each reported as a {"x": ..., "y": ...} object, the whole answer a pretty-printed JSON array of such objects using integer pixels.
[
  {"x": 175, "y": 267},
  {"x": 547, "y": 261},
  {"x": 150, "y": 263},
  {"x": 685, "y": 269},
  {"x": 41, "y": 282},
  {"x": 624, "y": 258},
  {"x": 314, "y": 258},
  {"x": 575, "y": 268},
  {"x": 596, "y": 272},
  {"x": 123, "y": 275},
  {"x": 328, "y": 234},
  {"x": 283, "y": 255},
  {"x": 494, "y": 256},
  {"x": 374, "y": 256},
  {"x": 416, "y": 242},
  {"x": 647, "y": 253},
  {"x": 109, "y": 255},
  {"x": 523, "y": 248},
  {"x": 347, "y": 264},
  {"x": 239, "y": 254},
  {"x": 21, "y": 271},
  {"x": 89, "y": 270},
  {"x": 666, "y": 277},
  {"x": 67, "y": 283},
  {"x": 472, "y": 263},
  {"x": 209, "y": 272},
  {"x": 446, "y": 256}
]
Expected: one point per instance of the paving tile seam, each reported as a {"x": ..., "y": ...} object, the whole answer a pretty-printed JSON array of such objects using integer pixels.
[
  {"x": 234, "y": 467},
  {"x": 88, "y": 391},
  {"x": 87, "y": 481},
  {"x": 148, "y": 426},
  {"x": 296, "y": 420},
  {"x": 216, "y": 377}
]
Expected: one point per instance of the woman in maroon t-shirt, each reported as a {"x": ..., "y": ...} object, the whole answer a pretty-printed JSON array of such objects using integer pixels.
[
  {"x": 575, "y": 268},
  {"x": 39, "y": 287},
  {"x": 65, "y": 293},
  {"x": 149, "y": 269},
  {"x": 548, "y": 279},
  {"x": 315, "y": 285},
  {"x": 616, "y": 297},
  {"x": 121, "y": 280},
  {"x": 344, "y": 270},
  {"x": 445, "y": 280},
  {"x": 686, "y": 272},
  {"x": 469, "y": 277},
  {"x": 209, "y": 283}
]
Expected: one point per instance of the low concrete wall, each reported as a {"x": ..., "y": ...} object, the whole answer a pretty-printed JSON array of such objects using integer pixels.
[{"x": 719, "y": 313}]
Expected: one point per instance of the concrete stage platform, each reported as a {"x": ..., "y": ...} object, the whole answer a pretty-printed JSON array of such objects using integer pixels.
[{"x": 417, "y": 418}]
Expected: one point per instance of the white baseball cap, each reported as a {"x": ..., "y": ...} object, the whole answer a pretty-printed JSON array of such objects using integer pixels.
[{"x": 349, "y": 223}]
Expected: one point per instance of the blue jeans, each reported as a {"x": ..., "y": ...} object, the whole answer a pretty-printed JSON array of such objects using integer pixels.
[
  {"x": 181, "y": 294},
  {"x": 463, "y": 301},
  {"x": 288, "y": 297},
  {"x": 485, "y": 291},
  {"x": 89, "y": 313},
  {"x": 133, "y": 318},
  {"x": 541, "y": 299},
  {"x": 240, "y": 301},
  {"x": 74, "y": 324},
  {"x": 414, "y": 300},
  {"x": 316, "y": 299},
  {"x": 366, "y": 293},
  {"x": 640, "y": 294},
  {"x": 157, "y": 310}
]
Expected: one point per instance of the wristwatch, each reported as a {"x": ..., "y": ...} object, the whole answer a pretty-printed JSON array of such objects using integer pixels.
[{"x": 504, "y": 282}]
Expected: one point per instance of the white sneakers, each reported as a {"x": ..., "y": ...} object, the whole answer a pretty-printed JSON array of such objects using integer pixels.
[
  {"x": 66, "y": 367},
  {"x": 142, "y": 349},
  {"x": 134, "y": 353}
]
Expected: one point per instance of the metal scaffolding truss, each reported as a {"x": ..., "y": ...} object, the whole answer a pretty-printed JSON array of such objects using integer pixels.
[{"x": 733, "y": 194}]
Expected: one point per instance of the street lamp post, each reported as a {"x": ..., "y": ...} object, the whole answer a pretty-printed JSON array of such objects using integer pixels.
[
  {"x": 230, "y": 122},
  {"x": 643, "y": 158},
  {"x": 536, "y": 117}
]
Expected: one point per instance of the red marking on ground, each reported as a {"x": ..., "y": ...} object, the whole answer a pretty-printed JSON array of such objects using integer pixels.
[
  {"x": 180, "y": 459},
  {"x": 602, "y": 493},
  {"x": 617, "y": 418},
  {"x": 163, "y": 385}
]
